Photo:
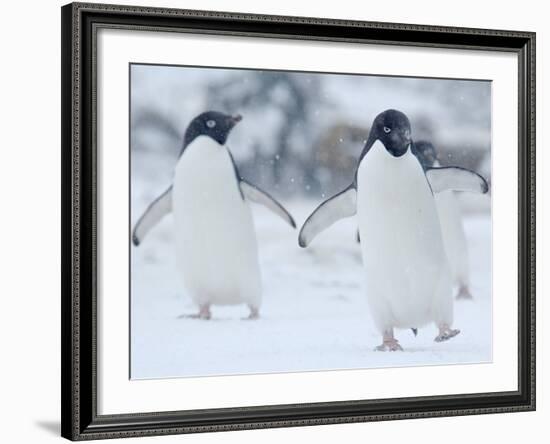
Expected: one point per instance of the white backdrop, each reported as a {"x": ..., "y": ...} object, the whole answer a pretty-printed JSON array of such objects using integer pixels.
[
  {"x": 117, "y": 394},
  {"x": 30, "y": 290}
]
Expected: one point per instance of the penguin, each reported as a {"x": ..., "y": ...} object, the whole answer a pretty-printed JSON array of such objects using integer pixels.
[
  {"x": 215, "y": 240},
  {"x": 452, "y": 227},
  {"x": 408, "y": 279}
]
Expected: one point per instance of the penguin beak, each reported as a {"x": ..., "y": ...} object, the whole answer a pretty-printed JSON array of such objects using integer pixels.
[{"x": 235, "y": 119}]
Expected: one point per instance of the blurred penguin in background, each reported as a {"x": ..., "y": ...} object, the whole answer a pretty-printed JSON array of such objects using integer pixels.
[{"x": 452, "y": 227}]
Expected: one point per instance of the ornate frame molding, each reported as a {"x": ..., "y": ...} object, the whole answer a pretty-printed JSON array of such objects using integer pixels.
[{"x": 80, "y": 22}]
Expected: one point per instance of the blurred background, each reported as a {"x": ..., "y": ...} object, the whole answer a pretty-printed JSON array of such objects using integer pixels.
[{"x": 302, "y": 132}]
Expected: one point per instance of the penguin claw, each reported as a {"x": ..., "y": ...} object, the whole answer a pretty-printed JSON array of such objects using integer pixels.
[
  {"x": 389, "y": 346},
  {"x": 204, "y": 314},
  {"x": 446, "y": 335}
]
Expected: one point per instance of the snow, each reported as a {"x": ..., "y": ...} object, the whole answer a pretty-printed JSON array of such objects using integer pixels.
[{"x": 314, "y": 315}]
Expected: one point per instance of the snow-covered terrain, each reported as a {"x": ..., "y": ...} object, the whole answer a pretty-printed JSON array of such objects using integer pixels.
[{"x": 314, "y": 315}]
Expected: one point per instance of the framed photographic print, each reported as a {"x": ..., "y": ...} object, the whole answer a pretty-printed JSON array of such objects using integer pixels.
[{"x": 280, "y": 221}]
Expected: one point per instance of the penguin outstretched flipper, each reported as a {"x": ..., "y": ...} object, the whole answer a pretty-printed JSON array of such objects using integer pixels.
[
  {"x": 455, "y": 179},
  {"x": 343, "y": 204},
  {"x": 159, "y": 208},
  {"x": 255, "y": 194}
]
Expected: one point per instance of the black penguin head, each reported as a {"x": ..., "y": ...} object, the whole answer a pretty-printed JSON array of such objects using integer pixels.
[
  {"x": 425, "y": 153},
  {"x": 393, "y": 129},
  {"x": 212, "y": 124}
]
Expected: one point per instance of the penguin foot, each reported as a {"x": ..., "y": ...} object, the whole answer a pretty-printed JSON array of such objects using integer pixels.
[
  {"x": 389, "y": 345},
  {"x": 446, "y": 333},
  {"x": 204, "y": 317},
  {"x": 254, "y": 314},
  {"x": 464, "y": 293},
  {"x": 204, "y": 314}
]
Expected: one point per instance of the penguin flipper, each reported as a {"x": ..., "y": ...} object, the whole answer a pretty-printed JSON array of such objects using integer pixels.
[
  {"x": 456, "y": 179},
  {"x": 159, "y": 208},
  {"x": 343, "y": 204},
  {"x": 256, "y": 195}
]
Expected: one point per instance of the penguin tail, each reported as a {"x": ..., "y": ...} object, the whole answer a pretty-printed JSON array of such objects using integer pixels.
[{"x": 415, "y": 331}]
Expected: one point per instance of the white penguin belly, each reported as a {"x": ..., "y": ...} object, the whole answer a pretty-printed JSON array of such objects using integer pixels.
[
  {"x": 407, "y": 274},
  {"x": 215, "y": 239},
  {"x": 454, "y": 238}
]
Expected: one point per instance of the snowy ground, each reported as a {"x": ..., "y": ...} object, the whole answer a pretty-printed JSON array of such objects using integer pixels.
[{"x": 314, "y": 315}]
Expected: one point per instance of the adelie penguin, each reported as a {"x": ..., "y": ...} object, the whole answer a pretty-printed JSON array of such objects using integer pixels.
[
  {"x": 448, "y": 209},
  {"x": 408, "y": 280},
  {"x": 216, "y": 247}
]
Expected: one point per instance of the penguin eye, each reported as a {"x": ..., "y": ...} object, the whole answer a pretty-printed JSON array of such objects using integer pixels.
[
  {"x": 387, "y": 130},
  {"x": 210, "y": 123}
]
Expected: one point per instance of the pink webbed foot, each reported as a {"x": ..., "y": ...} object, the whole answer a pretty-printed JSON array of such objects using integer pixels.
[
  {"x": 446, "y": 333},
  {"x": 389, "y": 343},
  {"x": 389, "y": 346},
  {"x": 204, "y": 314}
]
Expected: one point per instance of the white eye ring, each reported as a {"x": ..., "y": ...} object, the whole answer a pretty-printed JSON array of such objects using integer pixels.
[
  {"x": 387, "y": 130},
  {"x": 210, "y": 123}
]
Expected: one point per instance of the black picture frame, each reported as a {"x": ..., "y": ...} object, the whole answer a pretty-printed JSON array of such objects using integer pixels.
[{"x": 79, "y": 211}]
